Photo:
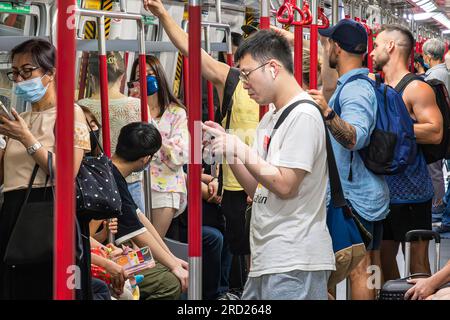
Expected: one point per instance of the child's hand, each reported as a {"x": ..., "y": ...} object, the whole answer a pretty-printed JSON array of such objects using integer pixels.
[{"x": 112, "y": 225}]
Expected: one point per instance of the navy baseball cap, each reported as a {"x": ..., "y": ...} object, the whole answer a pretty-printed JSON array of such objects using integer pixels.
[{"x": 349, "y": 34}]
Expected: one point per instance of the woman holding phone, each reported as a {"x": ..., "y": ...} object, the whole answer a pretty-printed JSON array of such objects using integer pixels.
[{"x": 29, "y": 139}]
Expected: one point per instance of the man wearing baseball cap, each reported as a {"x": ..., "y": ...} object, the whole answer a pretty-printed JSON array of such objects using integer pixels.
[{"x": 350, "y": 116}]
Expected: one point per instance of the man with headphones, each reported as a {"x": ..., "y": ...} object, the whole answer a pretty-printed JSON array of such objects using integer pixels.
[{"x": 285, "y": 174}]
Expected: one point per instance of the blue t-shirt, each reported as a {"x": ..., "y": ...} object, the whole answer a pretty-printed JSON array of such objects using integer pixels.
[{"x": 367, "y": 192}]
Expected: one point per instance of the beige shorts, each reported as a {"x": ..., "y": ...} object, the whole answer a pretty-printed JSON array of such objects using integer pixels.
[{"x": 174, "y": 200}]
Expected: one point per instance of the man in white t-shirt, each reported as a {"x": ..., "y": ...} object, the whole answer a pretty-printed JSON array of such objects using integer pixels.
[{"x": 291, "y": 249}]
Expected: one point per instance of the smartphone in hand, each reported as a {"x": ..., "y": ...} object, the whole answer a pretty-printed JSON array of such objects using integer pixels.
[{"x": 5, "y": 112}]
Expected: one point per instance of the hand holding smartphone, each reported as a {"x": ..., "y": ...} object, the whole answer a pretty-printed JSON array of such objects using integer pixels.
[{"x": 5, "y": 112}]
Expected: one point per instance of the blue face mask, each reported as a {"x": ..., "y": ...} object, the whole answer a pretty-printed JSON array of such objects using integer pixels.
[
  {"x": 30, "y": 90},
  {"x": 152, "y": 85},
  {"x": 426, "y": 65}
]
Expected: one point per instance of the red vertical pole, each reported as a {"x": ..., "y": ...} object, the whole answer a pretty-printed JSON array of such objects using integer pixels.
[
  {"x": 298, "y": 54},
  {"x": 411, "y": 66},
  {"x": 194, "y": 168},
  {"x": 143, "y": 86},
  {"x": 64, "y": 231},
  {"x": 264, "y": 23},
  {"x": 230, "y": 60},
  {"x": 210, "y": 101},
  {"x": 369, "y": 47},
  {"x": 143, "y": 78},
  {"x": 209, "y": 85},
  {"x": 104, "y": 99},
  {"x": 298, "y": 49},
  {"x": 313, "y": 57}
]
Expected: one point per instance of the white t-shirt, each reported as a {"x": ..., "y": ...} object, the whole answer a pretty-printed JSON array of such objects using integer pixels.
[{"x": 292, "y": 234}]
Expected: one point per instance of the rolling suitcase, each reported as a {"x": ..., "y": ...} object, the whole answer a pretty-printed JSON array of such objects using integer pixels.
[{"x": 396, "y": 289}]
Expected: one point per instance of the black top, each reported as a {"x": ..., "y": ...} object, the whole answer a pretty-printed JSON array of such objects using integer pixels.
[{"x": 129, "y": 224}]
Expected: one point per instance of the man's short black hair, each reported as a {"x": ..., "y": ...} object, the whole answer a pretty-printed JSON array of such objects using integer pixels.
[
  {"x": 265, "y": 45},
  {"x": 137, "y": 140}
]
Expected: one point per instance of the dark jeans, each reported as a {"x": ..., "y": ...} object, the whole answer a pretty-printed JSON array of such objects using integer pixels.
[
  {"x": 100, "y": 290},
  {"x": 216, "y": 259}
]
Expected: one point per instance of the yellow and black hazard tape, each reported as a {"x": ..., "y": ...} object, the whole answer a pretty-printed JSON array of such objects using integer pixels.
[{"x": 179, "y": 68}]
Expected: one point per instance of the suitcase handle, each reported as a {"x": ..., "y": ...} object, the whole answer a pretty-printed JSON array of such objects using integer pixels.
[
  {"x": 416, "y": 275},
  {"x": 423, "y": 233}
]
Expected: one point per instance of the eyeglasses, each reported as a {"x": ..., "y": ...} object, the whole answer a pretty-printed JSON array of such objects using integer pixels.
[
  {"x": 24, "y": 73},
  {"x": 244, "y": 75}
]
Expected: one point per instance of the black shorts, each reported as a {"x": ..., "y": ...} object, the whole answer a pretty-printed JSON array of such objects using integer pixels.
[
  {"x": 406, "y": 217},
  {"x": 234, "y": 204}
]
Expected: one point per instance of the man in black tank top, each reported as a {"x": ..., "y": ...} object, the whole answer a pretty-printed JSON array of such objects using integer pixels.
[{"x": 412, "y": 191}]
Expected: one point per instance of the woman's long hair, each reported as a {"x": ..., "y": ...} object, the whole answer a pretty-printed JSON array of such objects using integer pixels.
[{"x": 165, "y": 95}]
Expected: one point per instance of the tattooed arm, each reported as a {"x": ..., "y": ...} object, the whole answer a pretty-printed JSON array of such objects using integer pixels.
[{"x": 342, "y": 131}]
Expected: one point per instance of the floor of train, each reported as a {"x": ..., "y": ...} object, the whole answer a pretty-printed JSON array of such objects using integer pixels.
[{"x": 445, "y": 256}]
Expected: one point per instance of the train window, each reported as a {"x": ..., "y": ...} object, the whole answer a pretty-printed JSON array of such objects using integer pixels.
[{"x": 16, "y": 20}]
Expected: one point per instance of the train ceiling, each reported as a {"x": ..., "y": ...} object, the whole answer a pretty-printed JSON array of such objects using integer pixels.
[{"x": 436, "y": 21}]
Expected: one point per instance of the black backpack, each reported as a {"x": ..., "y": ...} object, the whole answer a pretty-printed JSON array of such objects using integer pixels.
[{"x": 434, "y": 152}]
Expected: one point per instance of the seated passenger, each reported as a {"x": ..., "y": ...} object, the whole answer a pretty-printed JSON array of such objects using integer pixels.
[
  {"x": 428, "y": 288},
  {"x": 167, "y": 178},
  {"x": 136, "y": 145},
  {"x": 122, "y": 109}
]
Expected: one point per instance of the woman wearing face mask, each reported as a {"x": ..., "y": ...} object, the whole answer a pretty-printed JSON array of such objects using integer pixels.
[
  {"x": 122, "y": 109},
  {"x": 29, "y": 139},
  {"x": 167, "y": 177}
]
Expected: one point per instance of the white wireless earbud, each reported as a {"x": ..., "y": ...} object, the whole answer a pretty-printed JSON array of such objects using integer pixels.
[{"x": 272, "y": 71}]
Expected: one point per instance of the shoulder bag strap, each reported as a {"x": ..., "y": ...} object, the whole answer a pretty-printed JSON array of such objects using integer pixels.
[
  {"x": 407, "y": 79},
  {"x": 337, "y": 195}
]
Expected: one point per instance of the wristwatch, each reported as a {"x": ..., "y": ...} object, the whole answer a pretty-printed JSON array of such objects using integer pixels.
[
  {"x": 33, "y": 148},
  {"x": 330, "y": 115}
]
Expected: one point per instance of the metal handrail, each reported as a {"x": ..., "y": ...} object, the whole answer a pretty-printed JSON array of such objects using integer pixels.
[{"x": 221, "y": 26}]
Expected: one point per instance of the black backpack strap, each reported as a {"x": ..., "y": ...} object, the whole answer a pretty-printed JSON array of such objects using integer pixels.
[
  {"x": 407, "y": 79},
  {"x": 227, "y": 106},
  {"x": 337, "y": 195},
  {"x": 227, "y": 102},
  {"x": 283, "y": 117}
]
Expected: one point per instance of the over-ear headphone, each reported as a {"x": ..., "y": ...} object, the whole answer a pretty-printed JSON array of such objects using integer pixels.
[{"x": 272, "y": 71}]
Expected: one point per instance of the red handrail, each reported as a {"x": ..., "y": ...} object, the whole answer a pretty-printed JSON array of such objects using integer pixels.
[
  {"x": 285, "y": 8},
  {"x": 264, "y": 23},
  {"x": 307, "y": 14},
  {"x": 322, "y": 17},
  {"x": 230, "y": 60},
  {"x": 210, "y": 92},
  {"x": 143, "y": 87},
  {"x": 104, "y": 99},
  {"x": 194, "y": 168},
  {"x": 64, "y": 231}
]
